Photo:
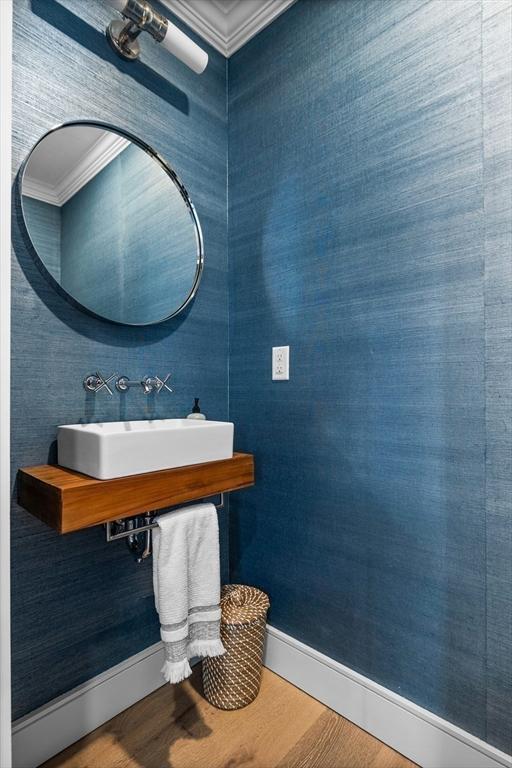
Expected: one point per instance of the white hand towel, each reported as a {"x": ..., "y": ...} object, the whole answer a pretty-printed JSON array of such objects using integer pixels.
[{"x": 186, "y": 580}]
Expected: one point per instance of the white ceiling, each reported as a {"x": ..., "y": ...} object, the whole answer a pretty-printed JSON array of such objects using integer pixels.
[
  {"x": 60, "y": 151},
  {"x": 227, "y": 24},
  {"x": 67, "y": 159}
]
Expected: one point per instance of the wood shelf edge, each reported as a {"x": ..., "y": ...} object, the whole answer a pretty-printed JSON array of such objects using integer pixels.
[{"x": 69, "y": 501}]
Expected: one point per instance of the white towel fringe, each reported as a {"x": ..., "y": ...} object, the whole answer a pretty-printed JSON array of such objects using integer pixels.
[
  {"x": 205, "y": 648},
  {"x": 176, "y": 671}
]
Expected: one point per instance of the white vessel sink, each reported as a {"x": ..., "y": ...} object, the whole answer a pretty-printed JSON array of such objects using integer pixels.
[{"x": 119, "y": 448}]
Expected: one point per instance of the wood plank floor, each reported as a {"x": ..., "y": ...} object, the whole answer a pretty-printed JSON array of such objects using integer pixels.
[{"x": 175, "y": 727}]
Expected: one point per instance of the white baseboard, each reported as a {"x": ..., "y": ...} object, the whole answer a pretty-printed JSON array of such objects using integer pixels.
[
  {"x": 54, "y": 726},
  {"x": 421, "y": 736},
  {"x": 416, "y": 733}
]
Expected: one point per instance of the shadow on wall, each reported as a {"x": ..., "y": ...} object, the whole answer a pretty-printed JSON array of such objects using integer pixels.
[
  {"x": 50, "y": 293},
  {"x": 88, "y": 37}
]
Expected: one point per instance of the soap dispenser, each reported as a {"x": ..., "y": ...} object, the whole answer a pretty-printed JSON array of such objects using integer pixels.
[{"x": 196, "y": 411}]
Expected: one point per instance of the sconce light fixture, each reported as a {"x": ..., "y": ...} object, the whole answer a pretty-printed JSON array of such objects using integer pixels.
[{"x": 139, "y": 17}]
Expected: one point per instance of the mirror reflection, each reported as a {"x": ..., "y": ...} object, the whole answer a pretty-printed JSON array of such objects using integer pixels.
[{"x": 111, "y": 223}]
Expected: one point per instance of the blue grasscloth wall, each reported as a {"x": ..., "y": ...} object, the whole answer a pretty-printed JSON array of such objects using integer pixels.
[
  {"x": 127, "y": 283},
  {"x": 115, "y": 270},
  {"x": 369, "y": 229},
  {"x": 46, "y": 232},
  {"x": 81, "y": 605}
]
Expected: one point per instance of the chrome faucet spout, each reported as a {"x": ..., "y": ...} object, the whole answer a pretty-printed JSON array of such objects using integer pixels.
[{"x": 148, "y": 383}]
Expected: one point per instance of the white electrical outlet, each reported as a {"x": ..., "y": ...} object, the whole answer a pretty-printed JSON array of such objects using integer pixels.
[{"x": 280, "y": 363}]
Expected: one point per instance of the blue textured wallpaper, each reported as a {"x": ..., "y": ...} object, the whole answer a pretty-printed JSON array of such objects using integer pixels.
[
  {"x": 81, "y": 605},
  {"x": 45, "y": 231},
  {"x": 369, "y": 229},
  {"x": 129, "y": 249},
  {"x": 497, "y": 167}
]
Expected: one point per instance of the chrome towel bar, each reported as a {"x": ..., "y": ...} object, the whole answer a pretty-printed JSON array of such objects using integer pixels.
[{"x": 129, "y": 528}]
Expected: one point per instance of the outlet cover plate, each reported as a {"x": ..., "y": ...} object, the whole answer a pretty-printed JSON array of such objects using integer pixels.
[{"x": 280, "y": 363}]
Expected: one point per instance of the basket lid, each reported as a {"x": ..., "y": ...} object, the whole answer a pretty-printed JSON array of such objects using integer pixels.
[{"x": 242, "y": 605}]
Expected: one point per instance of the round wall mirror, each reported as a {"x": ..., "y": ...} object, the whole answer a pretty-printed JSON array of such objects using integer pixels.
[{"x": 111, "y": 223}]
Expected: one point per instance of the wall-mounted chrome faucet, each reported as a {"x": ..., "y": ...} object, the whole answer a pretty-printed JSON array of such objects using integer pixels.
[{"x": 95, "y": 381}]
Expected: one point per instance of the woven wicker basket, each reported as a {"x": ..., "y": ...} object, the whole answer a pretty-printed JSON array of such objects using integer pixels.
[{"x": 233, "y": 680}]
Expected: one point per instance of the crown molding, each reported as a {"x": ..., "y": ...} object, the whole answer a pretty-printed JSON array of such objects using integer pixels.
[
  {"x": 196, "y": 21},
  {"x": 99, "y": 156},
  {"x": 102, "y": 152},
  {"x": 225, "y": 6},
  {"x": 40, "y": 191},
  {"x": 255, "y": 23},
  {"x": 227, "y": 29}
]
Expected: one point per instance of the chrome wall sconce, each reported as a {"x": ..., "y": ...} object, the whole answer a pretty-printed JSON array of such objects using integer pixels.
[{"x": 139, "y": 17}]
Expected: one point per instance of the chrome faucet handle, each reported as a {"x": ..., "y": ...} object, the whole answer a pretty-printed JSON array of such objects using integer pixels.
[
  {"x": 148, "y": 384},
  {"x": 162, "y": 383},
  {"x": 155, "y": 384},
  {"x": 95, "y": 381}
]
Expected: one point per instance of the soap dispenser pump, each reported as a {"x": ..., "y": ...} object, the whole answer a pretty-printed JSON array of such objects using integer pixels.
[{"x": 196, "y": 411}]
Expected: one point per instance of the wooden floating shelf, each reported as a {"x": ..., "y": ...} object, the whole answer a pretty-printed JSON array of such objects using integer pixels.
[{"x": 69, "y": 501}]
